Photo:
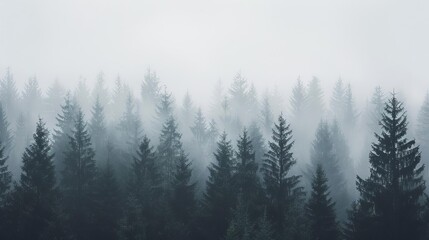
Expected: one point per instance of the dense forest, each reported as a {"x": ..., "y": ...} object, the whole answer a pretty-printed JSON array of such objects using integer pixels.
[{"x": 99, "y": 163}]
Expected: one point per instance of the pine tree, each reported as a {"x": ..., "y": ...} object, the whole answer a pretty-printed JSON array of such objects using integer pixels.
[
  {"x": 376, "y": 109},
  {"x": 79, "y": 181},
  {"x": 64, "y": 128},
  {"x": 258, "y": 143},
  {"x": 320, "y": 209},
  {"x": 151, "y": 88},
  {"x": 240, "y": 227},
  {"x": 263, "y": 229},
  {"x": 5, "y": 177},
  {"x": 337, "y": 100},
  {"x": 169, "y": 150},
  {"x": 9, "y": 96},
  {"x": 121, "y": 91},
  {"x": 245, "y": 177},
  {"x": 52, "y": 103},
  {"x": 219, "y": 196},
  {"x": 100, "y": 92},
  {"x": 267, "y": 115},
  {"x": 322, "y": 152},
  {"x": 298, "y": 99},
  {"x": 32, "y": 100},
  {"x": 281, "y": 187},
  {"x": 350, "y": 113},
  {"x": 199, "y": 129},
  {"x": 164, "y": 110},
  {"x": 315, "y": 99},
  {"x": 422, "y": 132},
  {"x": 187, "y": 111},
  {"x": 5, "y": 134},
  {"x": 82, "y": 96},
  {"x": 393, "y": 191},
  {"x": 212, "y": 131},
  {"x": 130, "y": 130},
  {"x": 36, "y": 195},
  {"x": 97, "y": 129},
  {"x": 107, "y": 206},
  {"x": 182, "y": 201}
]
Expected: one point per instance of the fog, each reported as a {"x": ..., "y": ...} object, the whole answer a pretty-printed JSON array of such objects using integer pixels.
[{"x": 159, "y": 97}]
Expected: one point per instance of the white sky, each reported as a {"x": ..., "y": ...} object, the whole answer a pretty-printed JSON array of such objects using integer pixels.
[{"x": 191, "y": 44}]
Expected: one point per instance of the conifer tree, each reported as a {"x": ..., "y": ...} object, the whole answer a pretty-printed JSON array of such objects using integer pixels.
[
  {"x": 130, "y": 130},
  {"x": 323, "y": 153},
  {"x": 107, "y": 205},
  {"x": 350, "y": 113},
  {"x": 52, "y": 103},
  {"x": 151, "y": 88},
  {"x": 376, "y": 109},
  {"x": 315, "y": 99},
  {"x": 121, "y": 91},
  {"x": 320, "y": 209},
  {"x": 5, "y": 177},
  {"x": 219, "y": 197},
  {"x": 97, "y": 128},
  {"x": 32, "y": 100},
  {"x": 169, "y": 150},
  {"x": 9, "y": 96},
  {"x": 263, "y": 229},
  {"x": 100, "y": 92},
  {"x": 245, "y": 177},
  {"x": 298, "y": 99},
  {"x": 337, "y": 100},
  {"x": 240, "y": 227},
  {"x": 36, "y": 196},
  {"x": 258, "y": 143},
  {"x": 281, "y": 186},
  {"x": 187, "y": 111},
  {"x": 393, "y": 191},
  {"x": 267, "y": 115},
  {"x": 199, "y": 129},
  {"x": 182, "y": 201},
  {"x": 422, "y": 132},
  {"x": 79, "y": 181},
  {"x": 82, "y": 96},
  {"x": 5, "y": 134}
]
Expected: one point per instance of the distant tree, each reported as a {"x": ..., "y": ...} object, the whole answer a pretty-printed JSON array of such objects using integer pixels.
[
  {"x": 32, "y": 99},
  {"x": 169, "y": 150},
  {"x": 5, "y": 178},
  {"x": 5, "y": 133},
  {"x": 36, "y": 196},
  {"x": 393, "y": 192},
  {"x": 267, "y": 115},
  {"x": 107, "y": 210},
  {"x": 79, "y": 182},
  {"x": 187, "y": 112},
  {"x": 315, "y": 99},
  {"x": 52, "y": 103},
  {"x": 298, "y": 99},
  {"x": 281, "y": 187},
  {"x": 216, "y": 103},
  {"x": 323, "y": 153},
  {"x": 120, "y": 95},
  {"x": 338, "y": 100},
  {"x": 320, "y": 209},
  {"x": 422, "y": 132},
  {"x": 258, "y": 143},
  {"x": 64, "y": 129},
  {"x": 151, "y": 88},
  {"x": 130, "y": 130},
  {"x": 9, "y": 95},
  {"x": 350, "y": 112},
  {"x": 219, "y": 198},
  {"x": 97, "y": 129},
  {"x": 100, "y": 92},
  {"x": 212, "y": 131},
  {"x": 164, "y": 110},
  {"x": 182, "y": 201},
  {"x": 82, "y": 96},
  {"x": 199, "y": 128},
  {"x": 376, "y": 109},
  {"x": 238, "y": 92}
]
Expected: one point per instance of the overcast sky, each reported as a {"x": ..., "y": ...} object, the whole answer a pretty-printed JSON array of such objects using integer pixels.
[{"x": 192, "y": 44}]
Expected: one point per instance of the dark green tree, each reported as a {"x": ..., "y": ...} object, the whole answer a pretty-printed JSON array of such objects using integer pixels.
[
  {"x": 240, "y": 227},
  {"x": 320, "y": 209},
  {"x": 219, "y": 198},
  {"x": 36, "y": 196},
  {"x": 282, "y": 188},
  {"x": 393, "y": 192},
  {"x": 79, "y": 182}
]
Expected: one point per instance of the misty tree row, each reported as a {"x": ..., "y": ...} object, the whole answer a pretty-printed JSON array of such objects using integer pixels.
[{"x": 143, "y": 169}]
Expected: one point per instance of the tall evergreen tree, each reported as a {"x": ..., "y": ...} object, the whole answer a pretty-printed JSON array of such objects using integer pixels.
[
  {"x": 267, "y": 115},
  {"x": 350, "y": 112},
  {"x": 5, "y": 183},
  {"x": 240, "y": 227},
  {"x": 130, "y": 130},
  {"x": 258, "y": 143},
  {"x": 337, "y": 100},
  {"x": 64, "y": 128},
  {"x": 298, "y": 99},
  {"x": 151, "y": 88},
  {"x": 36, "y": 195},
  {"x": 97, "y": 129},
  {"x": 5, "y": 134},
  {"x": 219, "y": 198},
  {"x": 100, "y": 92},
  {"x": 169, "y": 150},
  {"x": 82, "y": 96},
  {"x": 164, "y": 110},
  {"x": 199, "y": 128},
  {"x": 32, "y": 100},
  {"x": 323, "y": 153},
  {"x": 315, "y": 99},
  {"x": 79, "y": 181},
  {"x": 281, "y": 186},
  {"x": 52, "y": 103},
  {"x": 320, "y": 209},
  {"x": 393, "y": 191},
  {"x": 187, "y": 112},
  {"x": 9, "y": 95},
  {"x": 182, "y": 201},
  {"x": 422, "y": 132}
]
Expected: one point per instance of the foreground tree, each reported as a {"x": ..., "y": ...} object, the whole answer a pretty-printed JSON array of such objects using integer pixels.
[
  {"x": 320, "y": 209},
  {"x": 392, "y": 193},
  {"x": 36, "y": 196},
  {"x": 282, "y": 187},
  {"x": 219, "y": 198},
  {"x": 78, "y": 182}
]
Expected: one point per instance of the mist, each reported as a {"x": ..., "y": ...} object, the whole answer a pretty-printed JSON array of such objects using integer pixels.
[{"x": 214, "y": 120}]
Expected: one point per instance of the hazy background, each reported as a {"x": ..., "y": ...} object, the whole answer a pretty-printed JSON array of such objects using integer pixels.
[{"x": 192, "y": 44}]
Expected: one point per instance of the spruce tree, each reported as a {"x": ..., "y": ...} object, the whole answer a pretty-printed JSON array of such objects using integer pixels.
[
  {"x": 323, "y": 153},
  {"x": 64, "y": 128},
  {"x": 97, "y": 128},
  {"x": 9, "y": 96},
  {"x": 315, "y": 99},
  {"x": 36, "y": 196},
  {"x": 258, "y": 143},
  {"x": 107, "y": 210},
  {"x": 422, "y": 132},
  {"x": 219, "y": 198},
  {"x": 263, "y": 229},
  {"x": 5, "y": 134},
  {"x": 337, "y": 100},
  {"x": 52, "y": 103},
  {"x": 82, "y": 96},
  {"x": 392, "y": 193},
  {"x": 130, "y": 131},
  {"x": 5, "y": 183},
  {"x": 320, "y": 209},
  {"x": 79, "y": 181},
  {"x": 169, "y": 150},
  {"x": 187, "y": 112},
  {"x": 282, "y": 188},
  {"x": 100, "y": 92},
  {"x": 298, "y": 99},
  {"x": 267, "y": 115},
  {"x": 199, "y": 128},
  {"x": 182, "y": 201},
  {"x": 240, "y": 227},
  {"x": 32, "y": 100}
]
